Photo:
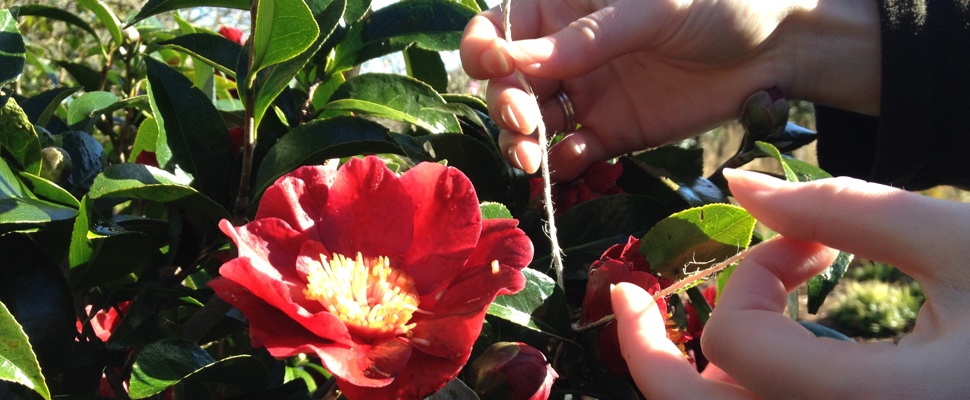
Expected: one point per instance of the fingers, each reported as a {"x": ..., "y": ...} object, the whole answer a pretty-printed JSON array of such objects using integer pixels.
[
  {"x": 567, "y": 159},
  {"x": 481, "y": 51},
  {"x": 656, "y": 364},
  {"x": 924, "y": 237}
]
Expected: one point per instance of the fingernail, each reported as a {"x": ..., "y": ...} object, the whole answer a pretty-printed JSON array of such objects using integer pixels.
[
  {"x": 574, "y": 149},
  {"x": 494, "y": 61},
  {"x": 751, "y": 180},
  {"x": 513, "y": 157},
  {"x": 508, "y": 116},
  {"x": 528, "y": 155}
]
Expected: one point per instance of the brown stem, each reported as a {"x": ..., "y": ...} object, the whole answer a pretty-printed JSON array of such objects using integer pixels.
[{"x": 242, "y": 198}]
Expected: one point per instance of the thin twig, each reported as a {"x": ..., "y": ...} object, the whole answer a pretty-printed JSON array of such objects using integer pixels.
[
  {"x": 544, "y": 151},
  {"x": 677, "y": 286}
]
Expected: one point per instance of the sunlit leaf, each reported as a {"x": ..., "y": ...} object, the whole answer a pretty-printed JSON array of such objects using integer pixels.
[
  {"x": 527, "y": 307},
  {"x": 194, "y": 130},
  {"x": 17, "y": 360},
  {"x": 54, "y": 13},
  {"x": 215, "y": 50},
  {"x": 18, "y": 137},
  {"x": 82, "y": 107},
  {"x": 21, "y": 208},
  {"x": 284, "y": 29},
  {"x": 154, "y": 7},
  {"x": 795, "y": 170},
  {"x": 106, "y": 16},
  {"x": 693, "y": 239},
  {"x": 401, "y": 93},
  {"x": 137, "y": 181},
  {"x": 492, "y": 210},
  {"x": 426, "y": 66},
  {"x": 12, "y": 50}
]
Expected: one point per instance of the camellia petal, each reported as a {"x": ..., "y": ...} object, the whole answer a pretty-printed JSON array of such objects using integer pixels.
[
  {"x": 295, "y": 196},
  {"x": 267, "y": 243},
  {"x": 369, "y": 211},
  {"x": 423, "y": 375},
  {"x": 439, "y": 250}
]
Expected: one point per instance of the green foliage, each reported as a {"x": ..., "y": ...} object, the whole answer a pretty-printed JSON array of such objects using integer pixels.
[{"x": 877, "y": 308}]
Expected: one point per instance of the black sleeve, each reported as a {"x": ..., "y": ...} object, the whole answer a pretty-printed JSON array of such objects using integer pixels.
[{"x": 922, "y": 133}]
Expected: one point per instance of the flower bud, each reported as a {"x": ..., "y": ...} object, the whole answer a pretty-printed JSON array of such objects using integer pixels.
[
  {"x": 55, "y": 164},
  {"x": 765, "y": 113},
  {"x": 512, "y": 370}
]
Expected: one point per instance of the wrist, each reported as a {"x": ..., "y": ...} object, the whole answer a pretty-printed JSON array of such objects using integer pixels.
[{"x": 836, "y": 54}]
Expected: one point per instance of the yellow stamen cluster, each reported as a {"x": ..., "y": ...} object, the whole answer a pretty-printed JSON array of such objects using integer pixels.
[
  {"x": 368, "y": 295},
  {"x": 676, "y": 335}
]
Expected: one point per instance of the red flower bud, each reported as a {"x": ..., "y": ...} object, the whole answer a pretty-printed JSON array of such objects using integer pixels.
[
  {"x": 232, "y": 34},
  {"x": 512, "y": 370}
]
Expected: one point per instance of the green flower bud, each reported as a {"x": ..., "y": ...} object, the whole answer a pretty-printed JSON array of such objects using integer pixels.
[{"x": 765, "y": 113}]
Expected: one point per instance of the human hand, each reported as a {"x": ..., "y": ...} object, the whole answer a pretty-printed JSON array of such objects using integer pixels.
[
  {"x": 771, "y": 355},
  {"x": 646, "y": 73}
]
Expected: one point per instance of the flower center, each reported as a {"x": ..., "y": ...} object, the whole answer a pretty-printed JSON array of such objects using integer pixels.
[{"x": 369, "y": 296}]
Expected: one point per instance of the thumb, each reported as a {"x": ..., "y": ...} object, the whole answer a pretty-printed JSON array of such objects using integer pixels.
[{"x": 658, "y": 367}]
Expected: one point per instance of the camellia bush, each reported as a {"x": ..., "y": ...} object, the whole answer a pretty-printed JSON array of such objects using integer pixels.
[{"x": 189, "y": 212}]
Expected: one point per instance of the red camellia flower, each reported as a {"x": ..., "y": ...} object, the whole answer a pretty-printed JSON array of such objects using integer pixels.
[
  {"x": 232, "y": 34},
  {"x": 385, "y": 278},
  {"x": 694, "y": 325},
  {"x": 621, "y": 263},
  {"x": 598, "y": 180}
]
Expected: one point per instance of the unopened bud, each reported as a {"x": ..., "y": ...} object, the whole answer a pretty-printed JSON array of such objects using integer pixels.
[
  {"x": 512, "y": 370},
  {"x": 765, "y": 113},
  {"x": 55, "y": 164}
]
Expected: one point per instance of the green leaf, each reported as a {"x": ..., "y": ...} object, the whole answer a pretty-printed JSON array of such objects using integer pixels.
[
  {"x": 492, "y": 210},
  {"x": 106, "y": 16},
  {"x": 165, "y": 363},
  {"x": 527, "y": 307},
  {"x": 215, "y": 50},
  {"x": 193, "y": 130},
  {"x": 18, "y": 137},
  {"x": 318, "y": 141},
  {"x": 83, "y": 74},
  {"x": 137, "y": 181},
  {"x": 54, "y": 13},
  {"x": 49, "y": 190},
  {"x": 87, "y": 155},
  {"x": 84, "y": 106},
  {"x": 17, "y": 360},
  {"x": 13, "y": 53},
  {"x": 426, "y": 66},
  {"x": 21, "y": 208},
  {"x": 284, "y": 29},
  {"x": 819, "y": 286},
  {"x": 146, "y": 138},
  {"x": 795, "y": 170},
  {"x": 154, "y": 7},
  {"x": 41, "y": 107},
  {"x": 401, "y": 93},
  {"x": 374, "y": 110},
  {"x": 430, "y": 24},
  {"x": 680, "y": 244},
  {"x": 104, "y": 254},
  {"x": 277, "y": 77}
]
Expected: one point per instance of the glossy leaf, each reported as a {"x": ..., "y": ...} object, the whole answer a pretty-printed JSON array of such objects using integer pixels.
[
  {"x": 83, "y": 74},
  {"x": 401, "y": 93},
  {"x": 819, "y": 286},
  {"x": 426, "y": 66},
  {"x": 82, "y": 108},
  {"x": 22, "y": 208},
  {"x": 163, "y": 364},
  {"x": 99, "y": 253},
  {"x": 278, "y": 77},
  {"x": 215, "y": 50},
  {"x": 526, "y": 308},
  {"x": 40, "y": 107},
  {"x": 48, "y": 190},
  {"x": 795, "y": 170},
  {"x": 12, "y": 50},
  {"x": 137, "y": 181},
  {"x": 244, "y": 372},
  {"x": 106, "y": 16},
  {"x": 18, "y": 137},
  {"x": 284, "y": 29},
  {"x": 318, "y": 141},
  {"x": 40, "y": 10},
  {"x": 146, "y": 139},
  {"x": 193, "y": 130},
  {"x": 17, "y": 360},
  {"x": 690, "y": 240},
  {"x": 154, "y": 7}
]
